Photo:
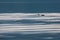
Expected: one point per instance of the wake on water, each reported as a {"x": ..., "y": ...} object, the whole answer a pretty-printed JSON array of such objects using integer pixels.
[
  {"x": 37, "y": 22},
  {"x": 34, "y": 25}
]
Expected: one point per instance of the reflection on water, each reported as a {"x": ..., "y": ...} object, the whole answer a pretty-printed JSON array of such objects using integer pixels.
[{"x": 18, "y": 26}]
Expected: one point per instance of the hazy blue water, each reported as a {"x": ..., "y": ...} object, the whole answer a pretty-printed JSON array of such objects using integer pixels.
[
  {"x": 28, "y": 6},
  {"x": 27, "y": 22},
  {"x": 43, "y": 36}
]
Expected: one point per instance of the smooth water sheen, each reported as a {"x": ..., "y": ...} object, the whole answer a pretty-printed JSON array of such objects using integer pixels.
[{"x": 29, "y": 6}]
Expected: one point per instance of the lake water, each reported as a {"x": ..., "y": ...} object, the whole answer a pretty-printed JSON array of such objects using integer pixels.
[
  {"x": 29, "y": 6},
  {"x": 19, "y": 20},
  {"x": 27, "y": 26}
]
